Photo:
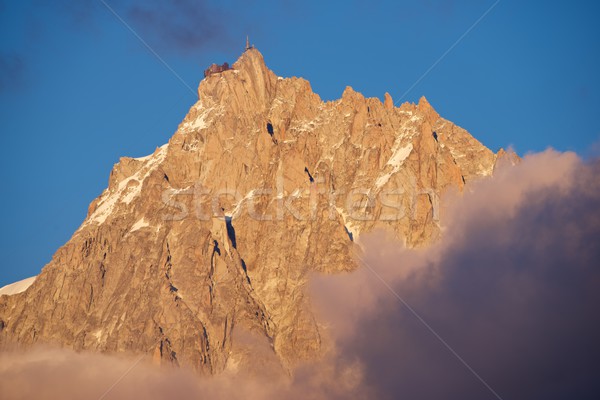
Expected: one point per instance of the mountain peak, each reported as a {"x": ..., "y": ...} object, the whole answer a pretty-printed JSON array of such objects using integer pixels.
[
  {"x": 247, "y": 81},
  {"x": 424, "y": 103},
  {"x": 252, "y": 58},
  {"x": 427, "y": 109},
  {"x": 388, "y": 103},
  {"x": 223, "y": 227}
]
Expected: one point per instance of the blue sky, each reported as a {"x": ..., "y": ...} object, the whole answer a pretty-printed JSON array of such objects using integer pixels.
[{"x": 78, "y": 90}]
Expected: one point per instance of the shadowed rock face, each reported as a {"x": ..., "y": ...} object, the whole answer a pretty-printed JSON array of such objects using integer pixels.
[{"x": 261, "y": 184}]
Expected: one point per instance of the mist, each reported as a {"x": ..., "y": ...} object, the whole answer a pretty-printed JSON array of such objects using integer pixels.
[{"x": 504, "y": 306}]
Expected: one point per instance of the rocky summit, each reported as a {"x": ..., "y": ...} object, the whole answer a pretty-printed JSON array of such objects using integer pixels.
[{"x": 262, "y": 184}]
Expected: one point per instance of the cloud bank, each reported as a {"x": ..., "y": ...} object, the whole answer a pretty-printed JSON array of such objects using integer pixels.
[
  {"x": 50, "y": 373},
  {"x": 512, "y": 288}
]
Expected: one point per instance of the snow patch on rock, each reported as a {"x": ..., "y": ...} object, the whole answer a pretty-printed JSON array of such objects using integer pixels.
[
  {"x": 17, "y": 287},
  {"x": 205, "y": 118},
  {"x": 128, "y": 188},
  {"x": 349, "y": 223},
  {"x": 141, "y": 223},
  {"x": 399, "y": 154}
]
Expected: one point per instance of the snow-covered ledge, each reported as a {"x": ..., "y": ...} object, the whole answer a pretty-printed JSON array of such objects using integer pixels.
[{"x": 17, "y": 287}]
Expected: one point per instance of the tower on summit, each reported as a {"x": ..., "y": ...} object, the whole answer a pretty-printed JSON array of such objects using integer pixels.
[{"x": 248, "y": 46}]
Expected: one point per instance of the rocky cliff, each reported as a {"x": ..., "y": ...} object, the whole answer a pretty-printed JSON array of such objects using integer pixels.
[{"x": 261, "y": 184}]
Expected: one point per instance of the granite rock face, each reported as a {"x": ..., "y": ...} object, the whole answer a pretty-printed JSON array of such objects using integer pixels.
[{"x": 218, "y": 230}]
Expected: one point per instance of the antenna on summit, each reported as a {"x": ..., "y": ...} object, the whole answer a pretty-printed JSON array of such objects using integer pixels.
[{"x": 248, "y": 47}]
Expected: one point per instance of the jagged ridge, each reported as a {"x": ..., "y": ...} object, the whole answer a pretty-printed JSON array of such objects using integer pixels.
[{"x": 262, "y": 183}]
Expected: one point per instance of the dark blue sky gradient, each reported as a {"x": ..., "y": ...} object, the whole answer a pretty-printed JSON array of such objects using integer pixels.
[{"x": 78, "y": 90}]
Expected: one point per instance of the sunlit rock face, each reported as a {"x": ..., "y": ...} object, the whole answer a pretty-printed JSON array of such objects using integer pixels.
[{"x": 218, "y": 230}]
